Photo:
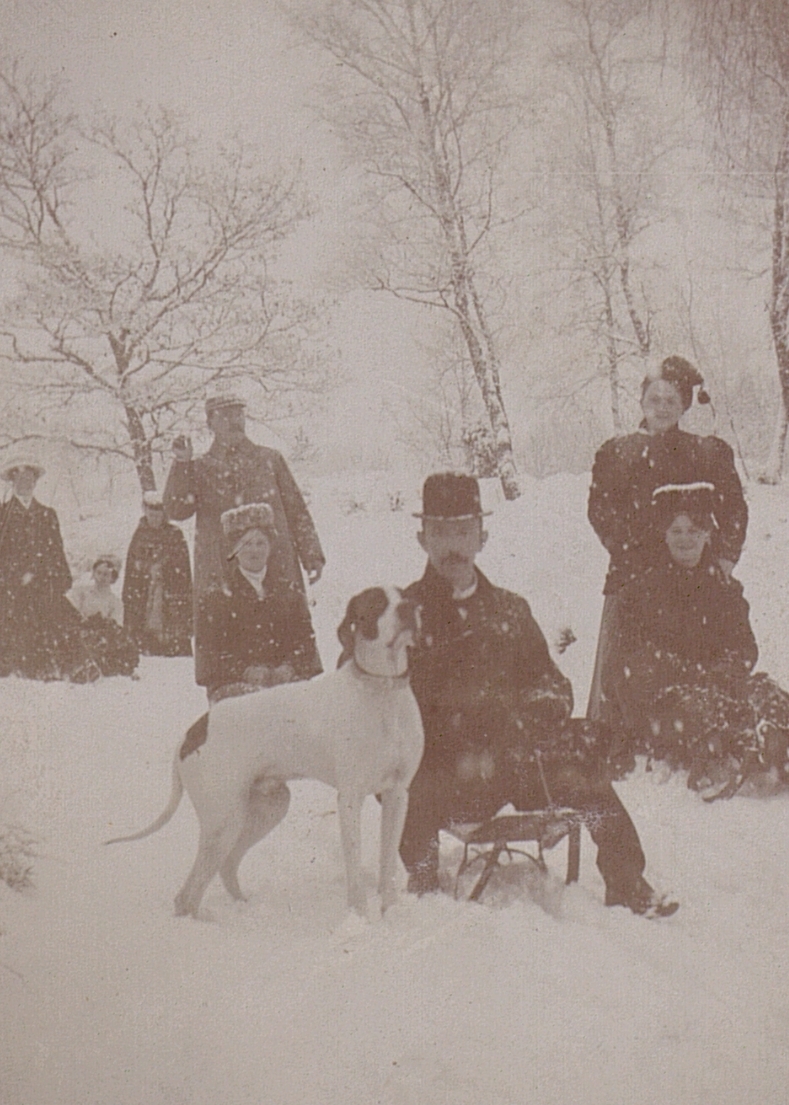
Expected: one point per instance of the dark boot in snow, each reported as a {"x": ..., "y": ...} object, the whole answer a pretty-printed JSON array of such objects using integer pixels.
[{"x": 641, "y": 899}]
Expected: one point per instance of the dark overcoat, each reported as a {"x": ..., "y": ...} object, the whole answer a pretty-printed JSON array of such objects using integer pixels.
[
  {"x": 482, "y": 673},
  {"x": 627, "y": 470},
  {"x": 241, "y": 630},
  {"x": 229, "y": 476},
  {"x": 495, "y": 710},
  {"x": 683, "y": 674},
  {"x": 165, "y": 546},
  {"x": 679, "y": 625},
  {"x": 38, "y": 625}
]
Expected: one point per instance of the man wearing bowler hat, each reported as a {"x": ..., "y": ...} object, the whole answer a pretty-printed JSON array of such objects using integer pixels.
[
  {"x": 489, "y": 694},
  {"x": 233, "y": 472}
]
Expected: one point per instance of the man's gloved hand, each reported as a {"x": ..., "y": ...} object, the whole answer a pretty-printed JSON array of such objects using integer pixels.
[
  {"x": 544, "y": 707},
  {"x": 476, "y": 766}
]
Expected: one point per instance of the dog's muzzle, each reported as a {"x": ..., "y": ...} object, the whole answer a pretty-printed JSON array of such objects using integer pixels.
[{"x": 409, "y": 615}]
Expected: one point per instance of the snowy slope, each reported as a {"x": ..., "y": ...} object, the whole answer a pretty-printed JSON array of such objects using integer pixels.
[{"x": 540, "y": 996}]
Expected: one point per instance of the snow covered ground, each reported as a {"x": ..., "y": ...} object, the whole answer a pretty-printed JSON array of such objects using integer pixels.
[{"x": 539, "y": 996}]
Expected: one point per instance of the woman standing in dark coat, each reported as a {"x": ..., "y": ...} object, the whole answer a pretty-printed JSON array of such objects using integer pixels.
[
  {"x": 254, "y": 636},
  {"x": 684, "y": 679},
  {"x": 626, "y": 472},
  {"x": 157, "y": 584},
  {"x": 39, "y": 628}
]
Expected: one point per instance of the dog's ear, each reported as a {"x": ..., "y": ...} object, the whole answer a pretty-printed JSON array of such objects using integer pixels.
[{"x": 362, "y": 616}]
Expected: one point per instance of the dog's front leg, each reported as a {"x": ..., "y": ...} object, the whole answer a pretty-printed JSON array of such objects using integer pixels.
[
  {"x": 394, "y": 806},
  {"x": 350, "y": 810}
]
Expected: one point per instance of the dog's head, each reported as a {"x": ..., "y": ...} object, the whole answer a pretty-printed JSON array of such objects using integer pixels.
[{"x": 382, "y": 623}]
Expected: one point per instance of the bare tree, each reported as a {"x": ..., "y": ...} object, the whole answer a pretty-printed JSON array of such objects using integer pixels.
[
  {"x": 608, "y": 48},
  {"x": 128, "y": 300},
  {"x": 745, "y": 45},
  {"x": 424, "y": 109},
  {"x": 438, "y": 422}
]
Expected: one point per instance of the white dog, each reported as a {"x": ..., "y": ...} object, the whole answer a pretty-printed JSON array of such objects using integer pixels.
[{"x": 358, "y": 729}]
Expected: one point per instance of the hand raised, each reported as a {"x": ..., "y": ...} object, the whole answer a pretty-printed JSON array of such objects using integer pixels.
[{"x": 182, "y": 449}]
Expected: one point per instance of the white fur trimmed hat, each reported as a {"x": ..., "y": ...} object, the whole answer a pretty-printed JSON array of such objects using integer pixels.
[
  {"x": 14, "y": 464},
  {"x": 241, "y": 519}
]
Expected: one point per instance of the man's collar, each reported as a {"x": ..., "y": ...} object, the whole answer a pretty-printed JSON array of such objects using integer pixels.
[
  {"x": 23, "y": 502},
  {"x": 461, "y": 596},
  {"x": 222, "y": 448},
  {"x": 440, "y": 587}
]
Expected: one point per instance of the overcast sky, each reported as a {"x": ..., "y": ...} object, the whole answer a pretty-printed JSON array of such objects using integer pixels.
[{"x": 230, "y": 66}]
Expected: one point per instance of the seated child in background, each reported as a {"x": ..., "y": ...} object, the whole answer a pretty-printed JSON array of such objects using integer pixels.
[
  {"x": 97, "y": 596},
  {"x": 107, "y": 643}
]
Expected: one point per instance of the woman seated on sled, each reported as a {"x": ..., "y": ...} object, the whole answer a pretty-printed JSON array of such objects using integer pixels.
[{"x": 684, "y": 678}]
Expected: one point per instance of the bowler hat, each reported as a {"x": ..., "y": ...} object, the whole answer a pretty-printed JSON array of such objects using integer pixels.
[
  {"x": 451, "y": 495},
  {"x": 222, "y": 401},
  {"x": 15, "y": 464}
]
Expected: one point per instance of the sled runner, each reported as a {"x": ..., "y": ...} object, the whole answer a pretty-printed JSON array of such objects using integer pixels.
[{"x": 486, "y": 841}]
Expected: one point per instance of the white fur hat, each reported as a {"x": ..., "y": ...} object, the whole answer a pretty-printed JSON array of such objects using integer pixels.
[{"x": 241, "y": 519}]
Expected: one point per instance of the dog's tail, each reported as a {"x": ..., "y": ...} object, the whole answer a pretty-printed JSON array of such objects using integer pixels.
[{"x": 175, "y": 797}]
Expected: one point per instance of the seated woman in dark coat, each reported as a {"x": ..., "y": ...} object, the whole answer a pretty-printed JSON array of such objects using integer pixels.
[
  {"x": 683, "y": 677},
  {"x": 256, "y": 633}
]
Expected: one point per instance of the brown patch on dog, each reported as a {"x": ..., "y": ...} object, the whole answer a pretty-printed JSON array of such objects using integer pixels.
[
  {"x": 196, "y": 735},
  {"x": 362, "y": 614}
]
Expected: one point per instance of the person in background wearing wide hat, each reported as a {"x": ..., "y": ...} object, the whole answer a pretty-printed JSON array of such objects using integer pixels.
[
  {"x": 255, "y": 631},
  {"x": 496, "y": 710},
  {"x": 627, "y": 470},
  {"x": 684, "y": 680},
  {"x": 106, "y": 641},
  {"x": 157, "y": 584},
  {"x": 235, "y": 471},
  {"x": 39, "y": 628}
]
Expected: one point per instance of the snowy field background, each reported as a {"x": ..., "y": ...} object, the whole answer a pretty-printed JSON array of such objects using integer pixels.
[{"x": 539, "y": 996}]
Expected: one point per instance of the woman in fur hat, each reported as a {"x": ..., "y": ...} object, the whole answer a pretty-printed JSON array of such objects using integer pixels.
[
  {"x": 254, "y": 635},
  {"x": 626, "y": 472},
  {"x": 683, "y": 678}
]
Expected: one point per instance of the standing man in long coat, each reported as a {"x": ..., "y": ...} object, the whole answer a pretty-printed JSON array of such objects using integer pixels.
[
  {"x": 39, "y": 628},
  {"x": 233, "y": 472}
]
